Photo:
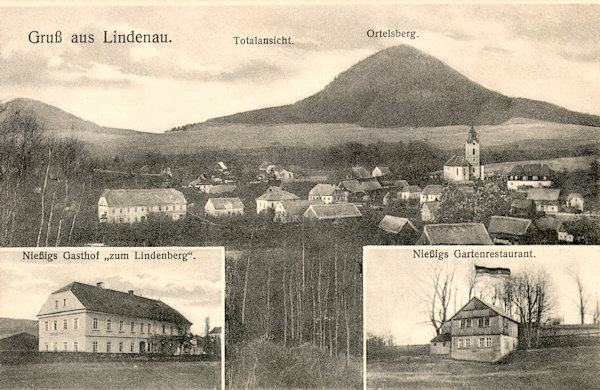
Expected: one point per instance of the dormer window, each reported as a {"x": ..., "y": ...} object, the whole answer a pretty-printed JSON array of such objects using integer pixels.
[{"x": 65, "y": 302}]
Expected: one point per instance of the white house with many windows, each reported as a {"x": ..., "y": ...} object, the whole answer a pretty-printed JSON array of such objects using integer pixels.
[
  {"x": 85, "y": 318},
  {"x": 130, "y": 206}
]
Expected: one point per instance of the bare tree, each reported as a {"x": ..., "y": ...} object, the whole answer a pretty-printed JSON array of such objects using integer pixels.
[
  {"x": 438, "y": 295},
  {"x": 583, "y": 298},
  {"x": 470, "y": 278}
]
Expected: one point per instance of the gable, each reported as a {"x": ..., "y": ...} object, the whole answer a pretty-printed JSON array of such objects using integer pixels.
[{"x": 72, "y": 303}]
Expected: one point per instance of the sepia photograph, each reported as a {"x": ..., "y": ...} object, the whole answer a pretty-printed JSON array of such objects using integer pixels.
[
  {"x": 498, "y": 320},
  {"x": 127, "y": 323}
]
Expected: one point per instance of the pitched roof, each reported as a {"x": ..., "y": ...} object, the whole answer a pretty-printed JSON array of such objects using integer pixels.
[
  {"x": 573, "y": 195},
  {"x": 297, "y": 207},
  {"x": 432, "y": 206},
  {"x": 104, "y": 300},
  {"x": 457, "y": 234},
  {"x": 351, "y": 185},
  {"x": 143, "y": 197},
  {"x": 215, "y": 330},
  {"x": 360, "y": 173},
  {"x": 539, "y": 170},
  {"x": 457, "y": 161},
  {"x": 476, "y": 306},
  {"x": 548, "y": 223},
  {"x": 401, "y": 183},
  {"x": 222, "y": 165},
  {"x": 522, "y": 204},
  {"x": 333, "y": 211},
  {"x": 432, "y": 189},
  {"x": 323, "y": 189},
  {"x": 412, "y": 189},
  {"x": 370, "y": 185},
  {"x": 274, "y": 194},
  {"x": 509, "y": 225},
  {"x": 392, "y": 224},
  {"x": 385, "y": 171},
  {"x": 222, "y": 188},
  {"x": 543, "y": 194},
  {"x": 226, "y": 203}
]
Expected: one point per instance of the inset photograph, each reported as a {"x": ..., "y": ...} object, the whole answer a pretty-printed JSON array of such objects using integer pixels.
[
  {"x": 129, "y": 324},
  {"x": 481, "y": 318}
]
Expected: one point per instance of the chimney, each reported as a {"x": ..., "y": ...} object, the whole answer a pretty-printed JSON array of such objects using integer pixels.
[
  {"x": 130, "y": 292},
  {"x": 99, "y": 284}
]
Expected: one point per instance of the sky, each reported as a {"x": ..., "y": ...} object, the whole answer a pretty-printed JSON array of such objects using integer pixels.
[
  {"x": 545, "y": 52},
  {"x": 193, "y": 288},
  {"x": 396, "y": 285}
]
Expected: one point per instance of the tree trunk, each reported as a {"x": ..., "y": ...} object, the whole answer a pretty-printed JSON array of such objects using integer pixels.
[{"x": 43, "y": 194}]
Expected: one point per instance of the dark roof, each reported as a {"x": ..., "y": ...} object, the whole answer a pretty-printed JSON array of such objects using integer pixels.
[
  {"x": 360, "y": 173},
  {"x": 276, "y": 194},
  {"x": 104, "y": 300},
  {"x": 432, "y": 189},
  {"x": 297, "y": 207},
  {"x": 351, "y": 185},
  {"x": 226, "y": 203},
  {"x": 543, "y": 194},
  {"x": 457, "y": 234},
  {"x": 401, "y": 183},
  {"x": 457, "y": 161},
  {"x": 323, "y": 189},
  {"x": 441, "y": 338},
  {"x": 392, "y": 224},
  {"x": 370, "y": 185},
  {"x": 522, "y": 204},
  {"x": 143, "y": 197},
  {"x": 539, "y": 170},
  {"x": 509, "y": 225},
  {"x": 411, "y": 189},
  {"x": 476, "y": 304},
  {"x": 333, "y": 211},
  {"x": 548, "y": 223},
  {"x": 385, "y": 171},
  {"x": 215, "y": 330}
]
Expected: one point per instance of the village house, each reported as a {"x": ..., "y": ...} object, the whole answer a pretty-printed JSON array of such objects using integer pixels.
[
  {"x": 524, "y": 176},
  {"x": 472, "y": 233},
  {"x": 331, "y": 212},
  {"x": 281, "y": 173},
  {"x": 356, "y": 191},
  {"x": 429, "y": 211},
  {"x": 360, "y": 173},
  {"x": 410, "y": 193},
  {"x": 548, "y": 226},
  {"x": 510, "y": 231},
  {"x": 327, "y": 193},
  {"x": 130, "y": 206},
  {"x": 546, "y": 199},
  {"x": 481, "y": 332},
  {"x": 575, "y": 201},
  {"x": 382, "y": 172},
  {"x": 271, "y": 198},
  {"x": 522, "y": 208},
  {"x": 85, "y": 318},
  {"x": 440, "y": 344},
  {"x": 459, "y": 168},
  {"x": 402, "y": 229},
  {"x": 288, "y": 211},
  {"x": 224, "y": 207},
  {"x": 221, "y": 189},
  {"x": 431, "y": 193}
]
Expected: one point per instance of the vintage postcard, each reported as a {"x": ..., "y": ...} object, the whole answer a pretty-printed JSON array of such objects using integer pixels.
[
  {"x": 112, "y": 317},
  {"x": 293, "y": 135},
  {"x": 525, "y": 317}
]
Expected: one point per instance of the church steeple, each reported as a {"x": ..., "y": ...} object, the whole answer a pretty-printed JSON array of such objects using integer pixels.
[
  {"x": 472, "y": 135},
  {"x": 472, "y": 148}
]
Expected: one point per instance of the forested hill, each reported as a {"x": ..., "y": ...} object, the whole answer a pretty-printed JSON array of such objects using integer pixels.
[{"x": 402, "y": 86}]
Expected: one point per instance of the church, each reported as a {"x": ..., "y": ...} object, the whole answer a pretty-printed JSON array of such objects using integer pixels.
[{"x": 459, "y": 168}]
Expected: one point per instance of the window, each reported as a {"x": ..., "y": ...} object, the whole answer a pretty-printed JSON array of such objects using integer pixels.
[
  {"x": 95, "y": 346},
  {"x": 171, "y": 330},
  {"x": 55, "y": 346},
  {"x": 56, "y": 304},
  {"x": 55, "y": 325},
  {"x": 47, "y": 348},
  {"x": 120, "y": 346},
  {"x": 108, "y": 325},
  {"x": 65, "y": 321},
  {"x": 95, "y": 324},
  {"x": 149, "y": 328},
  {"x": 461, "y": 343},
  {"x": 482, "y": 342},
  {"x": 75, "y": 346},
  {"x": 120, "y": 326},
  {"x": 132, "y": 327},
  {"x": 65, "y": 346},
  {"x": 65, "y": 302},
  {"x": 164, "y": 329},
  {"x": 131, "y": 347},
  {"x": 141, "y": 327},
  {"x": 467, "y": 343},
  {"x": 108, "y": 346},
  {"x": 486, "y": 321},
  {"x": 75, "y": 323},
  {"x": 488, "y": 342},
  {"x": 46, "y": 326},
  {"x": 468, "y": 322}
]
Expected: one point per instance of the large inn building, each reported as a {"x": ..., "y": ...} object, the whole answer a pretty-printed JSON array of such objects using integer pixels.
[
  {"x": 130, "y": 206},
  {"x": 84, "y": 318}
]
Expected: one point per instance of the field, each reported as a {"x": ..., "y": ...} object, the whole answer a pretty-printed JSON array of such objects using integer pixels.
[
  {"x": 552, "y": 368},
  {"x": 112, "y": 375}
]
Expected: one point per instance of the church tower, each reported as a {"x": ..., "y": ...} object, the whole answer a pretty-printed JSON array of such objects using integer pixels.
[{"x": 472, "y": 148}]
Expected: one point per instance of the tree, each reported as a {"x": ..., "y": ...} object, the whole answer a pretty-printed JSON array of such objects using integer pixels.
[
  {"x": 438, "y": 294},
  {"x": 583, "y": 296}
]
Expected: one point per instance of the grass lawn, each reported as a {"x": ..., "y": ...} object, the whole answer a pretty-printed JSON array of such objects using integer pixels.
[
  {"x": 552, "y": 368},
  {"x": 112, "y": 375}
]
